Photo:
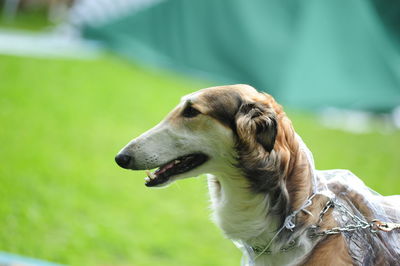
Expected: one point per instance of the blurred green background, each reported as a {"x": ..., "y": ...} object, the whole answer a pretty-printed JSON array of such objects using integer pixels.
[{"x": 62, "y": 197}]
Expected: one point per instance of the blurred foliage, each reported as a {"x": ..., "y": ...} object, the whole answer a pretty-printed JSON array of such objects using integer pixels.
[
  {"x": 31, "y": 19},
  {"x": 64, "y": 199}
]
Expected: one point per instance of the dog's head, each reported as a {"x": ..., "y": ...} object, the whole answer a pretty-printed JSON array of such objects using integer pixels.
[{"x": 210, "y": 131}]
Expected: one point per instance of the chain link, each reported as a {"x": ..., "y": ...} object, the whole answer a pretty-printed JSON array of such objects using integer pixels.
[
  {"x": 358, "y": 223},
  {"x": 292, "y": 244},
  {"x": 328, "y": 205}
]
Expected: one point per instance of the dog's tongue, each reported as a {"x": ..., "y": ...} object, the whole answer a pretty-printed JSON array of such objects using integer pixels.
[
  {"x": 166, "y": 167},
  {"x": 157, "y": 177}
]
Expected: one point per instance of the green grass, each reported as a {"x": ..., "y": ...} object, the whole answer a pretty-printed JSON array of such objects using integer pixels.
[{"x": 62, "y": 197}]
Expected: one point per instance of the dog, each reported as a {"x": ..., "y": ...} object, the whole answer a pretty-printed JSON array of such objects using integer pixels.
[{"x": 265, "y": 193}]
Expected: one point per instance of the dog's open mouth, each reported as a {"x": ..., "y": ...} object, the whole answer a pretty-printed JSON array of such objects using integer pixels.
[{"x": 175, "y": 167}]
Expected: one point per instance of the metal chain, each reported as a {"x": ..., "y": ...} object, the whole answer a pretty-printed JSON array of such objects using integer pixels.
[
  {"x": 329, "y": 204},
  {"x": 358, "y": 223}
]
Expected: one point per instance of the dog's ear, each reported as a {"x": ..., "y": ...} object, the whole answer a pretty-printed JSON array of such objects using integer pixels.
[{"x": 257, "y": 122}]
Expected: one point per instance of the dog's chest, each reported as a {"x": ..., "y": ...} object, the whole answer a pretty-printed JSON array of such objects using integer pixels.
[{"x": 242, "y": 217}]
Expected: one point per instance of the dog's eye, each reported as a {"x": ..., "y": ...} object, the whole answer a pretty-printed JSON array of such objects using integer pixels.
[{"x": 189, "y": 111}]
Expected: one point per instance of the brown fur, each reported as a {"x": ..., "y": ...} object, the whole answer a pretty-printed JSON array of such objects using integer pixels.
[
  {"x": 330, "y": 252},
  {"x": 285, "y": 163}
]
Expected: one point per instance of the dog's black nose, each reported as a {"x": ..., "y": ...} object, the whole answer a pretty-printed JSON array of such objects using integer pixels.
[{"x": 123, "y": 160}]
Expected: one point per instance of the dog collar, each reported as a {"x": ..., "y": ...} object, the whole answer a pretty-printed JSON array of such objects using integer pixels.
[{"x": 261, "y": 250}]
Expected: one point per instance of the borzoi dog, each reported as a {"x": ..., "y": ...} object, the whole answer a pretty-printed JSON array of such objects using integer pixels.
[{"x": 261, "y": 177}]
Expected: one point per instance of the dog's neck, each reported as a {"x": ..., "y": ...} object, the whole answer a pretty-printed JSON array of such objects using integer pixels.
[
  {"x": 240, "y": 213},
  {"x": 245, "y": 215}
]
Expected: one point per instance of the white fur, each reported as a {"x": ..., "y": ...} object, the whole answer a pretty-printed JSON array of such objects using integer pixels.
[{"x": 242, "y": 216}]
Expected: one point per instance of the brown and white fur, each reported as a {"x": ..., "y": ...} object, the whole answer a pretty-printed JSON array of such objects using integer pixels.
[{"x": 258, "y": 172}]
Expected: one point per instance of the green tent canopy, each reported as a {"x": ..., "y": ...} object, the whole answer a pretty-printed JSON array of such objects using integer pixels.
[{"x": 308, "y": 54}]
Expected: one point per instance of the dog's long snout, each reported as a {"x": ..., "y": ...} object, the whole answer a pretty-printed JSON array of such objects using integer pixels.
[{"x": 123, "y": 160}]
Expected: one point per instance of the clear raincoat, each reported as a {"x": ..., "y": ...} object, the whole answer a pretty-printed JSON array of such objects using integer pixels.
[{"x": 355, "y": 207}]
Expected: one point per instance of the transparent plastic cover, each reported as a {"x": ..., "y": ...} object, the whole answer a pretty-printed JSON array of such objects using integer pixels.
[{"x": 366, "y": 247}]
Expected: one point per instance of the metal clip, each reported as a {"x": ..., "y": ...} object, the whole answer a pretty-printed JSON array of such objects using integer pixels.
[{"x": 384, "y": 226}]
